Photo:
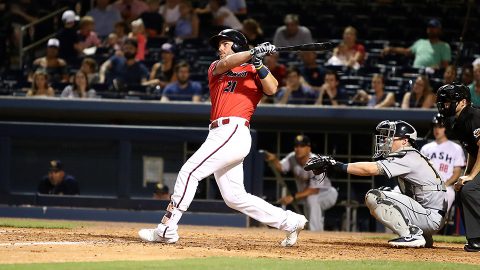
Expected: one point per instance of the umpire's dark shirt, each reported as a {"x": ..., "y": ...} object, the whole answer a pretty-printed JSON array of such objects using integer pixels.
[
  {"x": 467, "y": 129},
  {"x": 69, "y": 186}
]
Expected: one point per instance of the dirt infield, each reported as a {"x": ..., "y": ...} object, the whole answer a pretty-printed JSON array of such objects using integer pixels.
[{"x": 100, "y": 241}]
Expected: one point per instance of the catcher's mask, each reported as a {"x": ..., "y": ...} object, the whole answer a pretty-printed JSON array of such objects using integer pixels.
[{"x": 387, "y": 131}]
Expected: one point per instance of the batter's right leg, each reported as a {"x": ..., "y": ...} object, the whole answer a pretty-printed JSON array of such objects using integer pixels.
[{"x": 230, "y": 183}]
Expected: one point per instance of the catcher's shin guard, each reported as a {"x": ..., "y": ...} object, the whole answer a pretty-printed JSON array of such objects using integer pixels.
[{"x": 387, "y": 212}]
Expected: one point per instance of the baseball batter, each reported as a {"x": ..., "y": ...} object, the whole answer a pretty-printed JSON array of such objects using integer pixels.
[
  {"x": 236, "y": 87},
  {"x": 318, "y": 193},
  {"x": 416, "y": 213},
  {"x": 447, "y": 157}
]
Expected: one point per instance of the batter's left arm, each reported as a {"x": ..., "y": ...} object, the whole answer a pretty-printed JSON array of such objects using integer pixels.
[{"x": 269, "y": 84}]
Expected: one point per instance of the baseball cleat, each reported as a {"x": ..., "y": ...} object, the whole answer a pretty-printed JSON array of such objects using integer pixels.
[
  {"x": 413, "y": 241},
  {"x": 292, "y": 236},
  {"x": 160, "y": 235}
]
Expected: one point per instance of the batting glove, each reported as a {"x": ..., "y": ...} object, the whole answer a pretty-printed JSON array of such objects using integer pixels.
[
  {"x": 263, "y": 49},
  {"x": 257, "y": 62}
]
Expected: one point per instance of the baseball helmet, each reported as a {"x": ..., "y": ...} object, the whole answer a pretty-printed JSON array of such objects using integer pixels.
[
  {"x": 448, "y": 97},
  {"x": 438, "y": 120},
  {"x": 387, "y": 131},
  {"x": 240, "y": 43}
]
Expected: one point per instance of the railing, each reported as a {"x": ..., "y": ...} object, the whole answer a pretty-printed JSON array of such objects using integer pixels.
[{"x": 24, "y": 28}]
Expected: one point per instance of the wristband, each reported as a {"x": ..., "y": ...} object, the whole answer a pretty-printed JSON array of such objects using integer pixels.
[
  {"x": 263, "y": 72},
  {"x": 340, "y": 167},
  {"x": 294, "y": 199}
]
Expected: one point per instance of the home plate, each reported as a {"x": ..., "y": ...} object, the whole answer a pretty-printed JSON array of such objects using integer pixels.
[{"x": 65, "y": 243}]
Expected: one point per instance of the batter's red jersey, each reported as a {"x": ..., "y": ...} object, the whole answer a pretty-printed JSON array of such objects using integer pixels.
[{"x": 235, "y": 92}]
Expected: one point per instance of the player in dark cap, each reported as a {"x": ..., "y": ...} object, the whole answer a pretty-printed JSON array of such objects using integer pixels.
[
  {"x": 318, "y": 193},
  {"x": 57, "y": 182}
]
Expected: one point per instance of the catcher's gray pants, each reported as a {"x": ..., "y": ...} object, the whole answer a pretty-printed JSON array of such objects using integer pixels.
[
  {"x": 317, "y": 204},
  {"x": 429, "y": 220}
]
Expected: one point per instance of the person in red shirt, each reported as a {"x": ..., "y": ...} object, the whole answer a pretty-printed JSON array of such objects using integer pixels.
[
  {"x": 349, "y": 52},
  {"x": 237, "y": 82}
]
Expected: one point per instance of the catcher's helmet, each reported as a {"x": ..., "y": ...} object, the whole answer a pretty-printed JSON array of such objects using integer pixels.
[
  {"x": 240, "y": 43},
  {"x": 387, "y": 131},
  {"x": 448, "y": 97}
]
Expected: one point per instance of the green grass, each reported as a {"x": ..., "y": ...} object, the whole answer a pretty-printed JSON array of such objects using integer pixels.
[
  {"x": 436, "y": 238},
  {"x": 39, "y": 224},
  {"x": 243, "y": 263}
]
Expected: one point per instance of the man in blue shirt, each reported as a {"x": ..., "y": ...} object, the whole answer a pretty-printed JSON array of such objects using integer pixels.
[
  {"x": 124, "y": 72},
  {"x": 183, "y": 89}
]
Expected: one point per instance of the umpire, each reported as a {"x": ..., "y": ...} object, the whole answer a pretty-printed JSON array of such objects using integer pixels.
[{"x": 455, "y": 100}]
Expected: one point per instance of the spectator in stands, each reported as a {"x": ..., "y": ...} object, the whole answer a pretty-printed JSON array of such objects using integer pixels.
[
  {"x": 294, "y": 92},
  {"x": 121, "y": 30},
  {"x": 312, "y": 73},
  {"x": 467, "y": 75},
  {"x": 252, "y": 31},
  {"x": 188, "y": 25},
  {"x": 68, "y": 37},
  {"x": 152, "y": 20},
  {"x": 40, "y": 85},
  {"x": 348, "y": 53},
  {"x": 475, "y": 86},
  {"x": 130, "y": 9},
  {"x": 222, "y": 16},
  {"x": 420, "y": 96},
  {"x": 80, "y": 87},
  {"x": 163, "y": 72},
  {"x": 330, "y": 92},
  {"x": 379, "y": 99},
  {"x": 450, "y": 74},
  {"x": 138, "y": 34},
  {"x": 111, "y": 45},
  {"x": 170, "y": 11},
  {"x": 105, "y": 17},
  {"x": 86, "y": 36},
  {"x": 89, "y": 66},
  {"x": 57, "y": 182},
  {"x": 238, "y": 7},
  {"x": 183, "y": 89},
  {"x": 124, "y": 71},
  {"x": 161, "y": 192},
  {"x": 292, "y": 33},
  {"x": 431, "y": 52},
  {"x": 55, "y": 67}
]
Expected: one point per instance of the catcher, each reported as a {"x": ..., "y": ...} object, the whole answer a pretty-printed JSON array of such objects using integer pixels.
[{"x": 419, "y": 211}]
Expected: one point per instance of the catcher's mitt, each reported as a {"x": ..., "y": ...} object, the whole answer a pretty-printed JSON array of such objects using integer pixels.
[{"x": 319, "y": 164}]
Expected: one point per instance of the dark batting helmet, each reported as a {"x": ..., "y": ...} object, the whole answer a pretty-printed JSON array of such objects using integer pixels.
[
  {"x": 438, "y": 120},
  {"x": 240, "y": 43},
  {"x": 387, "y": 131},
  {"x": 448, "y": 97}
]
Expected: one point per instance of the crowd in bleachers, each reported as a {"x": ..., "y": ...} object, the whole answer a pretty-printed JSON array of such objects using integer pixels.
[{"x": 388, "y": 53}]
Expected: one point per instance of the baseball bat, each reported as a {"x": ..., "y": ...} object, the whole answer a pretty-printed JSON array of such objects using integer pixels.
[{"x": 317, "y": 47}]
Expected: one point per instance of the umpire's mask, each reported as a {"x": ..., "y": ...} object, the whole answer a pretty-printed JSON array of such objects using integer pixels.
[{"x": 384, "y": 139}]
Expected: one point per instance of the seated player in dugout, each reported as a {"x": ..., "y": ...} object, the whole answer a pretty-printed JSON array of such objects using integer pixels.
[
  {"x": 318, "y": 195},
  {"x": 57, "y": 182},
  {"x": 418, "y": 211}
]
